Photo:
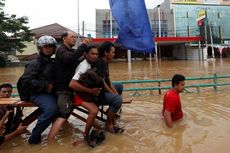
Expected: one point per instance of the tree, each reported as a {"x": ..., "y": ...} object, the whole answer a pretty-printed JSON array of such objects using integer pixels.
[{"x": 13, "y": 31}]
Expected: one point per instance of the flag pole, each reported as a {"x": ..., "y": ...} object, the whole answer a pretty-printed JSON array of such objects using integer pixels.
[
  {"x": 129, "y": 55},
  {"x": 78, "y": 26},
  {"x": 156, "y": 61},
  {"x": 111, "y": 24}
]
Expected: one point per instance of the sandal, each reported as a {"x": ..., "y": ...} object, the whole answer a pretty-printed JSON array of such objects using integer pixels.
[
  {"x": 90, "y": 141},
  {"x": 97, "y": 135},
  {"x": 115, "y": 130}
]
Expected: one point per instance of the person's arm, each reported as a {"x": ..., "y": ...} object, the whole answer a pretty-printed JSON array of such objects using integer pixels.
[
  {"x": 68, "y": 57},
  {"x": 82, "y": 49},
  {"x": 113, "y": 88},
  {"x": 4, "y": 118},
  {"x": 31, "y": 78},
  {"x": 100, "y": 68},
  {"x": 76, "y": 86},
  {"x": 107, "y": 88},
  {"x": 168, "y": 118},
  {"x": 19, "y": 130}
]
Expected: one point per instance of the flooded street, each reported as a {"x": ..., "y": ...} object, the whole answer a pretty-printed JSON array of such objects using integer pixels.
[{"x": 204, "y": 129}]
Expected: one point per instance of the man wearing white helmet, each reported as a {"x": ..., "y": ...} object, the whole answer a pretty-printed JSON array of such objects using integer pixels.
[{"x": 37, "y": 84}]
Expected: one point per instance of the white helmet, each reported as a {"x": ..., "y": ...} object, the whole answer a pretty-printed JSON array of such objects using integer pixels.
[{"x": 46, "y": 40}]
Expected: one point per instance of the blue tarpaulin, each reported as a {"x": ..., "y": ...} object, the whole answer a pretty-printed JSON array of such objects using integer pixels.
[{"x": 133, "y": 22}]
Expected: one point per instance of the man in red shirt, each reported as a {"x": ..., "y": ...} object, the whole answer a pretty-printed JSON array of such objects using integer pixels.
[{"x": 172, "y": 105}]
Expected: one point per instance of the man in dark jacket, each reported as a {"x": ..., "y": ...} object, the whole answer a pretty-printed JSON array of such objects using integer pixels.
[
  {"x": 37, "y": 82},
  {"x": 66, "y": 62}
]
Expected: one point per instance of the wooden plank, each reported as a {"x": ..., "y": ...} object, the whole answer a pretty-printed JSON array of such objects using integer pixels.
[
  {"x": 86, "y": 112},
  {"x": 9, "y": 101},
  {"x": 127, "y": 101},
  {"x": 84, "y": 120},
  {"x": 25, "y": 104},
  {"x": 33, "y": 116},
  {"x": 15, "y": 102}
]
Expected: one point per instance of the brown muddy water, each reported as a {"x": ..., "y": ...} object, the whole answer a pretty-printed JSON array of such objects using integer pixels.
[{"x": 204, "y": 129}]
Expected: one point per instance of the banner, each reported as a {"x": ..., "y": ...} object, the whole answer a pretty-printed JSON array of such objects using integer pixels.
[
  {"x": 132, "y": 19},
  {"x": 201, "y": 14}
]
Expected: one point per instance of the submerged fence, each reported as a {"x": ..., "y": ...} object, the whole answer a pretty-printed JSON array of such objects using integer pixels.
[
  {"x": 164, "y": 84},
  {"x": 213, "y": 81}
]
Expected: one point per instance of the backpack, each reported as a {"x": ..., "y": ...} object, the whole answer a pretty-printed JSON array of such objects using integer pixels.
[
  {"x": 23, "y": 91},
  {"x": 23, "y": 88},
  {"x": 89, "y": 79}
]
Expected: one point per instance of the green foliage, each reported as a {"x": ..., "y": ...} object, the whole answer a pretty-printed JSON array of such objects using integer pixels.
[
  {"x": 13, "y": 31},
  {"x": 1, "y": 4}
]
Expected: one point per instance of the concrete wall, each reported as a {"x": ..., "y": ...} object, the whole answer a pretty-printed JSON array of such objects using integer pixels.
[
  {"x": 179, "y": 51},
  {"x": 100, "y": 16},
  {"x": 188, "y": 53},
  {"x": 193, "y": 53},
  {"x": 29, "y": 49}
]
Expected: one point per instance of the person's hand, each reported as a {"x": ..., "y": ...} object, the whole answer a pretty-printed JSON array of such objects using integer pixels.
[
  {"x": 21, "y": 128},
  {"x": 95, "y": 91},
  {"x": 8, "y": 112},
  {"x": 50, "y": 88}
]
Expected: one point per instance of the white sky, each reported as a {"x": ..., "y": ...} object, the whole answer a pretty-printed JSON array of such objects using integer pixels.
[{"x": 45, "y": 12}]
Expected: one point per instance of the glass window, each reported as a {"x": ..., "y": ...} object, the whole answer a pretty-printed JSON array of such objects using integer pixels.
[{"x": 216, "y": 16}]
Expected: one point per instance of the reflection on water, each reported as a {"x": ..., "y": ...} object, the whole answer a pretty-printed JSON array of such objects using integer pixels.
[{"x": 204, "y": 129}]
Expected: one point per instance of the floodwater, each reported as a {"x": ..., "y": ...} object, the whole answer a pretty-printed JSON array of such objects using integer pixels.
[{"x": 204, "y": 129}]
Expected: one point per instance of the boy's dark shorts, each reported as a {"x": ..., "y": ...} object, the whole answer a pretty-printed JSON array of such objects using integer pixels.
[{"x": 65, "y": 104}]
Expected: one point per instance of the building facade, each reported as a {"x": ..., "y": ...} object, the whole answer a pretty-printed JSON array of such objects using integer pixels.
[
  {"x": 185, "y": 16},
  {"x": 179, "y": 18}
]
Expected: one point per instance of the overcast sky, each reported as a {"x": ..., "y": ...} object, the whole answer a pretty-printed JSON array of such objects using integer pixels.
[{"x": 45, "y": 12}]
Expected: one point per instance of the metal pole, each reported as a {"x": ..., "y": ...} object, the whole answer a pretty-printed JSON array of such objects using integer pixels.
[
  {"x": 78, "y": 26},
  {"x": 159, "y": 26},
  {"x": 215, "y": 81},
  {"x": 174, "y": 22},
  {"x": 211, "y": 39},
  {"x": 83, "y": 28},
  {"x": 130, "y": 70},
  {"x": 159, "y": 20},
  {"x": 129, "y": 55},
  {"x": 111, "y": 25},
  {"x": 156, "y": 60},
  {"x": 199, "y": 47}
]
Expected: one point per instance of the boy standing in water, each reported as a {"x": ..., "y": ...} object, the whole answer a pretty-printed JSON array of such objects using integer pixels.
[{"x": 172, "y": 110}]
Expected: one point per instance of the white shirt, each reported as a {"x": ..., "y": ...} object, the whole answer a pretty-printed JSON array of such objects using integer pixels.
[{"x": 81, "y": 68}]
